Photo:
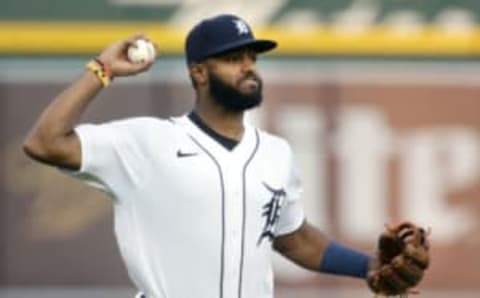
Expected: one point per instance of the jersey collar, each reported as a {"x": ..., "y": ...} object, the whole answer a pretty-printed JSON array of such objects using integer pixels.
[{"x": 242, "y": 150}]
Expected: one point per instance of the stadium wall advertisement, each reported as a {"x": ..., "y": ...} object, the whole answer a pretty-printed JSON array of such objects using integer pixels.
[{"x": 372, "y": 147}]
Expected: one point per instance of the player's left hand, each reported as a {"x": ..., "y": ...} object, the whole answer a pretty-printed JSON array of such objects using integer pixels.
[{"x": 402, "y": 257}]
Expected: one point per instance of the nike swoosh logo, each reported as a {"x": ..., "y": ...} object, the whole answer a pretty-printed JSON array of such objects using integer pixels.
[{"x": 186, "y": 154}]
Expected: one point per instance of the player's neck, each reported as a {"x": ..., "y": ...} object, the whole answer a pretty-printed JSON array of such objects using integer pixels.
[{"x": 227, "y": 124}]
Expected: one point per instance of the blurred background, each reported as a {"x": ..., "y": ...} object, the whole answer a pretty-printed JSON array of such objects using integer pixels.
[{"x": 379, "y": 99}]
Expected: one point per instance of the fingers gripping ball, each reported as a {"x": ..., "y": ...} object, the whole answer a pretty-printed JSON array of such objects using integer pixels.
[
  {"x": 141, "y": 51},
  {"x": 402, "y": 257}
]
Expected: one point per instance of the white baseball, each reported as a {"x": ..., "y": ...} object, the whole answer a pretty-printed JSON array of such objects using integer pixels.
[{"x": 141, "y": 51}]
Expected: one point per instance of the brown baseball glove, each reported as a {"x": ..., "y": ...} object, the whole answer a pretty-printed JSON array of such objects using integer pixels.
[{"x": 401, "y": 260}]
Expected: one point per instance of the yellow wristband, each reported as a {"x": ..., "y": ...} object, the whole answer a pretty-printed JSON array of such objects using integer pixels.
[{"x": 98, "y": 69}]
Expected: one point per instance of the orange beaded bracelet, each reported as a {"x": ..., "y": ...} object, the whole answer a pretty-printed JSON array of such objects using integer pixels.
[{"x": 101, "y": 70}]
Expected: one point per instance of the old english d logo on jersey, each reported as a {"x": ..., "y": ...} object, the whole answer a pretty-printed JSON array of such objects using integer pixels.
[{"x": 271, "y": 212}]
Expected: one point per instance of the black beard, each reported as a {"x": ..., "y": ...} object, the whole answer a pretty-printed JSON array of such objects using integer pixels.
[{"x": 231, "y": 99}]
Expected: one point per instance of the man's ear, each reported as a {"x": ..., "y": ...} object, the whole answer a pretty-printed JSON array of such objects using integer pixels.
[{"x": 198, "y": 73}]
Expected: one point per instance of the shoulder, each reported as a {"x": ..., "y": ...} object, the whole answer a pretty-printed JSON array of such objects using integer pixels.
[
  {"x": 128, "y": 126},
  {"x": 140, "y": 123},
  {"x": 274, "y": 144},
  {"x": 128, "y": 130}
]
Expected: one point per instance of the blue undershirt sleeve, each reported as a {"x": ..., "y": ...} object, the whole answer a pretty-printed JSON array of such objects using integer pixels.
[{"x": 341, "y": 260}]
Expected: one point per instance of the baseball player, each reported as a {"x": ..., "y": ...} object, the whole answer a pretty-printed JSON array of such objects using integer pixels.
[{"x": 201, "y": 201}]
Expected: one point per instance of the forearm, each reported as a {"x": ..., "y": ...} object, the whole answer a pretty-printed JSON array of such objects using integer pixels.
[
  {"x": 52, "y": 140},
  {"x": 58, "y": 119},
  {"x": 309, "y": 248},
  {"x": 307, "y": 256}
]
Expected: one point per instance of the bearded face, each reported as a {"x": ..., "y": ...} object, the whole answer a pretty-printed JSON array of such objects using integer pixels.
[{"x": 245, "y": 94}]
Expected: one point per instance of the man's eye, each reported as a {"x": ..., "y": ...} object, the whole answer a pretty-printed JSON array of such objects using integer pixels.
[
  {"x": 233, "y": 58},
  {"x": 237, "y": 57}
]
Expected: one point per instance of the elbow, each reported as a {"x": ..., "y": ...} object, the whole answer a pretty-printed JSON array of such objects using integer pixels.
[
  {"x": 39, "y": 148},
  {"x": 34, "y": 148},
  {"x": 48, "y": 151}
]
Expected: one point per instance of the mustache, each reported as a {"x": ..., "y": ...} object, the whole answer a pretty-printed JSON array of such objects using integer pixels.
[{"x": 251, "y": 76}]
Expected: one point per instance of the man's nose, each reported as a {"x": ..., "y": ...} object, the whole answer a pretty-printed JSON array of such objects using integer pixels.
[{"x": 248, "y": 63}]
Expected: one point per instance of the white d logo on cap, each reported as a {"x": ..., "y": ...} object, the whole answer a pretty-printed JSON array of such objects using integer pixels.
[{"x": 242, "y": 28}]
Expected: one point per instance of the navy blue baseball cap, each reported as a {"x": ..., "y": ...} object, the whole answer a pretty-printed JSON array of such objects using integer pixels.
[{"x": 221, "y": 34}]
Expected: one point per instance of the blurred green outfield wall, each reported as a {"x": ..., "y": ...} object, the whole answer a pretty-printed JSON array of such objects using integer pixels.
[
  {"x": 345, "y": 27},
  {"x": 326, "y": 11}
]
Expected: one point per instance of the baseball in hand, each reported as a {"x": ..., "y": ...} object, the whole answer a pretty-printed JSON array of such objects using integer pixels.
[{"x": 141, "y": 51}]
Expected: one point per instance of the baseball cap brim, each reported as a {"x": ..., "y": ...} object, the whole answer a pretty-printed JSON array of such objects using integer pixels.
[{"x": 257, "y": 45}]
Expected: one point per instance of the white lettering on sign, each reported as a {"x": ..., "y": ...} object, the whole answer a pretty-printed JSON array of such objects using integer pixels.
[
  {"x": 255, "y": 12},
  {"x": 359, "y": 16},
  {"x": 363, "y": 148},
  {"x": 437, "y": 162},
  {"x": 432, "y": 164}
]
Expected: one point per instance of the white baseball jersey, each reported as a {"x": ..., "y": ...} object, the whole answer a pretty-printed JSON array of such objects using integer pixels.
[{"x": 193, "y": 219}]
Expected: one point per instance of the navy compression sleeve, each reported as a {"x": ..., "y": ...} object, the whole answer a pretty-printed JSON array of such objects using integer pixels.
[{"x": 341, "y": 260}]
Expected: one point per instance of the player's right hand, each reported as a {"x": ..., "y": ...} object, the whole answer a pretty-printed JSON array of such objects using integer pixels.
[{"x": 115, "y": 57}]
